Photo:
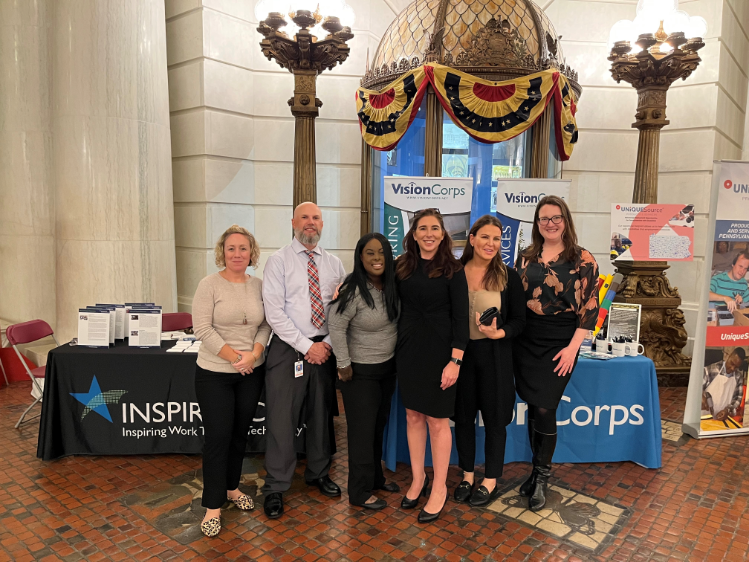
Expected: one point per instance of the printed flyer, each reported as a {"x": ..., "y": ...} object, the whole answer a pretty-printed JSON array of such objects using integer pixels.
[
  {"x": 516, "y": 205},
  {"x": 652, "y": 232},
  {"x": 716, "y": 402},
  {"x": 405, "y": 196}
]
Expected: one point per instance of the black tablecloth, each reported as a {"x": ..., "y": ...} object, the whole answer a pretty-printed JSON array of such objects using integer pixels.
[{"x": 119, "y": 401}]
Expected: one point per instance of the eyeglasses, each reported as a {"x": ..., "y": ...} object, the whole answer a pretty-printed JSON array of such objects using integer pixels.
[{"x": 556, "y": 219}]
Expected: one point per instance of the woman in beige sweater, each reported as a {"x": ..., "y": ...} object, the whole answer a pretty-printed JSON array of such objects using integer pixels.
[{"x": 228, "y": 318}]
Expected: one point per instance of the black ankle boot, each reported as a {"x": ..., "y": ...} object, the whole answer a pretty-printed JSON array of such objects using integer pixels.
[
  {"x": 526, "y": 489},
  {"x": 546, "y": 445}
]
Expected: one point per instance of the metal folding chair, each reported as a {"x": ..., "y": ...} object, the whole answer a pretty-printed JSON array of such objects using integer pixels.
[
  {"x": 28, "y": 332},
  {"x": 173, "y": 321}
]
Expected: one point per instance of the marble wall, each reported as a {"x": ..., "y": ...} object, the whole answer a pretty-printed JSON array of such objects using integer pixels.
[
  {"x": 85, "y": 158},
  {"x": 27, "y": 216},
  {"x": 112, "y": 165},
  {"x": 233, "y": 133},
  {"x": 708, "y": 114}
]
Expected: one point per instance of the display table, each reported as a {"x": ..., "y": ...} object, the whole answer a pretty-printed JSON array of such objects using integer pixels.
[
  {"x": 119, "y": 401},
  {"x": 610, "y": 412}
]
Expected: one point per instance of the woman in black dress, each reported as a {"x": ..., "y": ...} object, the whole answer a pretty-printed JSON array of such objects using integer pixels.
[
  {"x": 486, "y": 380},
  {"x": 561, "y": 287},
  {"x": 432, "y": 335}
]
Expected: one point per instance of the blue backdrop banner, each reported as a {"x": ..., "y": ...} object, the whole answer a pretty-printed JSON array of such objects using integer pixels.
[{"x": 610, "y": 412}]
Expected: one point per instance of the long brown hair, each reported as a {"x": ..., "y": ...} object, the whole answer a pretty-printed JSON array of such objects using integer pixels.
[
  {"x": 569, "y": 236},
  {"x": 443, "y": 262},
  {"x": 495, "y": 278}
]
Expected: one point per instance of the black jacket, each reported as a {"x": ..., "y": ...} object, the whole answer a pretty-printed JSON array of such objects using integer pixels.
[{"x": 512, "y": 322}]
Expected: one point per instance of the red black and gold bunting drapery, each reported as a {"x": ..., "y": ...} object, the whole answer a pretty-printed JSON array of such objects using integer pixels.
[
  {"x": 490, "y": 112},
  {"x": 385, "y": 116}
]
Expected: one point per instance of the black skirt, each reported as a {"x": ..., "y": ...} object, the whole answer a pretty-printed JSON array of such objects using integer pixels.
[{"x": 533, "y": 355}]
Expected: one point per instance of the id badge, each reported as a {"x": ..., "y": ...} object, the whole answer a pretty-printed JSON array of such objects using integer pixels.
[{"x": 298, "y": 369}]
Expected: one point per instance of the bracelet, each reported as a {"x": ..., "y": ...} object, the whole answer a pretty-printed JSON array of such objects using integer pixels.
[{"x": 239, "y": 358}]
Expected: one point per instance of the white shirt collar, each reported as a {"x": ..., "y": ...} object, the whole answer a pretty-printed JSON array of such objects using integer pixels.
[{"x": 298, "y": 247}]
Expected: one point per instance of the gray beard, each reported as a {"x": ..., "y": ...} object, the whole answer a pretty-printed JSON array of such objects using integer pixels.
[{"x": 306, "y": 240}]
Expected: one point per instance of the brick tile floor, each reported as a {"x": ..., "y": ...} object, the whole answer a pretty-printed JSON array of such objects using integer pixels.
[{"x": 147, "y": 508}]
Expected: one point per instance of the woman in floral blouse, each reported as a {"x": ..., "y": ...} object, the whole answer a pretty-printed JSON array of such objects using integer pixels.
[{"x": 561, "y": 285}]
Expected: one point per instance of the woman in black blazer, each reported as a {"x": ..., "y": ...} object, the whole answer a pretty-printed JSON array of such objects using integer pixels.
[{"x": 486, "y": 382}]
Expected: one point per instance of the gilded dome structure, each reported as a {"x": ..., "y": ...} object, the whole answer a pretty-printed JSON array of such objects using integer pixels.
[{"x": 492, "y": 39}]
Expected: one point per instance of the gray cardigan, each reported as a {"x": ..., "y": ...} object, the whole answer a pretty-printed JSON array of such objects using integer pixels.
[{"x": 362, "y": 334}]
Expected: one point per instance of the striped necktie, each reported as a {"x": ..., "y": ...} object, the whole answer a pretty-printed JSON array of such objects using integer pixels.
[{"x": 318, "y": 312}]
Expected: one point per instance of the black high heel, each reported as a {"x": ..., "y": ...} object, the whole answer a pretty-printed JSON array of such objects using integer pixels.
[
  {"x": 426, "y": 517},
  {"x": 410, "y": 504}
]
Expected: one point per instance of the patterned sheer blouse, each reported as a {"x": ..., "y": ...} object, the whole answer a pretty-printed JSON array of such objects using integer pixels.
[{"x": 562, "y": 286}]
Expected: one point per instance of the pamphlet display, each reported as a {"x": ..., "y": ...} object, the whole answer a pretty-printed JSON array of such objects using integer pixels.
[
  {"x": 93, "y": 327},
  {"x": 652, "y": 232},
  {"x": 718, "y": 379},
  {"x": 516, "y": 206},
  {"x": 144, "y": 325},
  {"x": 112, "y": 320},
  {"x": 119, "y": 324},
  {"x": 404, "y": 196},
  {"x": 128, "y": 307}
]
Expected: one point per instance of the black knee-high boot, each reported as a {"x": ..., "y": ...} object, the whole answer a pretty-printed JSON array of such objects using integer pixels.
[
  {"x": 526, "y": 489},
  {"x": 546, "y": 443}
]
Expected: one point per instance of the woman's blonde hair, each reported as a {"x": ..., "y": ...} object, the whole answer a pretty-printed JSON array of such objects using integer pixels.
[{"x": 236, "y": 229}]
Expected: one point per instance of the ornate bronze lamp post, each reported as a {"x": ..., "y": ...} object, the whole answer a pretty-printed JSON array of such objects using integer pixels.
[
  {"x": 663, "y": 59},
  {"x": 305, "y": 57}
]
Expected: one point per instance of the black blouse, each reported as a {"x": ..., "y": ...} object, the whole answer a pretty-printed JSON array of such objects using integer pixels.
[{"x": 562, "y": 286}]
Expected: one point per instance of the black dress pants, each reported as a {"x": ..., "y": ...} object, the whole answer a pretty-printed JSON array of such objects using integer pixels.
[
  {"x": 478, "y": 389},
  {"x": 228, "y": 402},
  {"x": 285, "y": 395},
  {"x": 366, "y": 398}
]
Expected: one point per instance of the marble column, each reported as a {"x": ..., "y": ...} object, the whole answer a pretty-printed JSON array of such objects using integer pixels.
[
  {"x": 112, "y": 156},
  {"x": 27, "y": 247}
]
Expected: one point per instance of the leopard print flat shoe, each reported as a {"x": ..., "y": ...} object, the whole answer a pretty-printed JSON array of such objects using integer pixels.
[
  {"x": 243, "y": 502},
  {"x": 212, "y": 527}
]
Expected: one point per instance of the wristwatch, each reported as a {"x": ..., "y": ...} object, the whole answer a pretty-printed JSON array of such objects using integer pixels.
[{"x": 457, "y": 361}]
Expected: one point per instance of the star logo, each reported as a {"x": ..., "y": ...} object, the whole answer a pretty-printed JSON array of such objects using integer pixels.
[{"x": 96, "y": 401}]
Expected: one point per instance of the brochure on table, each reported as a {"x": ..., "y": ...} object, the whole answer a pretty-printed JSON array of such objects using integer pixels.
[
  {"x": 405, "y": 195},
  {"x": 516, "y": 207},
  {"x": 718, "y": 380},
  {"x": 144, "y": 327},
  {"x": 93, "y": 327},
  {"x": 652, "y": 232},
  {"x": 119, "y": 324},
  {"x": 129, "y": 306}
]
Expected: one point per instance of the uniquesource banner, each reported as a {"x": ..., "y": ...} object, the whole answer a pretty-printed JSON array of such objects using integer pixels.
[
  {"x": 489, "y": 112},
  {"x": 716, "y": 401},
  {"x": 652, "y": 232}
]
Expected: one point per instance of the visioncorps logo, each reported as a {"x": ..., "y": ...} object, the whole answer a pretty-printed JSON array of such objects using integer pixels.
[{"x": 436, "y": 189}]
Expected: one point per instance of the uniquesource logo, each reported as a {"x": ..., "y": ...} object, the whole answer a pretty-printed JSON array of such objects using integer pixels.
[
  {"x": 96, "y": 401},
  {"x": 737, "y": 187}
]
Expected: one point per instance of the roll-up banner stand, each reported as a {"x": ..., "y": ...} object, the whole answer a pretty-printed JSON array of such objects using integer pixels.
[
  {"x": 516, "y": 205},
  {"x": 405, "y": 196},
  {"x": 718, "y": 380}
]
